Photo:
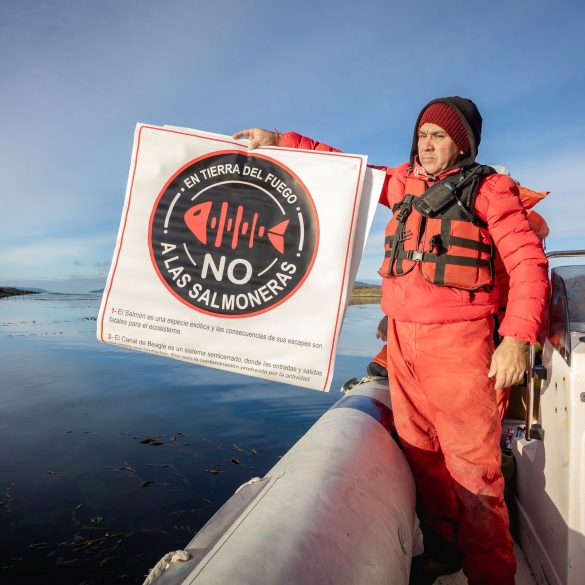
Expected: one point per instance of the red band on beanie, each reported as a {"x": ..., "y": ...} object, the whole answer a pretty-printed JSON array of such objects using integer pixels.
[{"x": 447, "y": 118}]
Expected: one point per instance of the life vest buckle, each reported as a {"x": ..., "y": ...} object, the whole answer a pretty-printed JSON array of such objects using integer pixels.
[
  {"x": 416, "y": 256},
  {"x": 404, "y": 213},
  {"x": 405, "y": 207}
]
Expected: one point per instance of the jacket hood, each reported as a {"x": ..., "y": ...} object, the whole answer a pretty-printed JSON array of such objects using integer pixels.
[{"x": 471, "y": 119}]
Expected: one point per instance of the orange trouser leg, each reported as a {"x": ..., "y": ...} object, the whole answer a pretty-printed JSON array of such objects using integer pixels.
[
  {"x": 445, "y": 413},
  {"x": 502, "y": 401}
]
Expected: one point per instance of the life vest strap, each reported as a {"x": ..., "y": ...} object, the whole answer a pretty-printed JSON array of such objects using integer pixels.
[
  {"x": 455, "y": 241},
  {"x": 441, "y": 266},
  {"x": 417, "y": 256},
  {"x": 465, "y": 261},
  {"x": 471, "y": 244},
  {"x": 404, "y": 209}
]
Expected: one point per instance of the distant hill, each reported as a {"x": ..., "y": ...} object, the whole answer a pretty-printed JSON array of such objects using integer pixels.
[
  {"x": 100, "y": 290},
  {"x": 363, "y": 293},
  {"x": 9, "y": 291}
]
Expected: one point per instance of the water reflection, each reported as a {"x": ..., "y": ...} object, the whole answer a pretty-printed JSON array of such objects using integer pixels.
[{"x": 113, "y": 457}]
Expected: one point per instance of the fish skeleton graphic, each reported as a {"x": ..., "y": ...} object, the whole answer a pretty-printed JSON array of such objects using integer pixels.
[{"x": 198, "y": 219}]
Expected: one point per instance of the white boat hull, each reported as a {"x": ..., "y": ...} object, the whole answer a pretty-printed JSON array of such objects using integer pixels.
[{"x": 338, "y": 508}]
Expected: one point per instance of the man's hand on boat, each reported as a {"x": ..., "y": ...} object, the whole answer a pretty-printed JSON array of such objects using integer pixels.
[
  {"x": 508, "y": 362},
  {"x": 258, "y": 137}
]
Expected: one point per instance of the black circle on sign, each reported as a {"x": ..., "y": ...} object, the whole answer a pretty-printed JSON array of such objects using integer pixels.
[{"x": 233, "y": 234}]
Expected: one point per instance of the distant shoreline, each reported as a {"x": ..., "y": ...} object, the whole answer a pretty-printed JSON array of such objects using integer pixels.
[
  {"x": 362, "y": 295},
  {"x": 8, "y": 291}
]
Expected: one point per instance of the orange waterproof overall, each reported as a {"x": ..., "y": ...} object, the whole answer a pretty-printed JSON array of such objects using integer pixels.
[
  {"x": 446, "y": 416},
  {"x": 445, "y": 408},
  {"x": 502, "y": 395}
]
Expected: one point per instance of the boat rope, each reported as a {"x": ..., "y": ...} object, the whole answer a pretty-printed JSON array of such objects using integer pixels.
[
  {"x": 355, "y": 382},
  {"x": 253, "y": 480},
  {"x": 170, "y": 558}
]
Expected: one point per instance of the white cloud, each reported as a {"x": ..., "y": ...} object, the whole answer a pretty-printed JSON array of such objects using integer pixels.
[
  {"x": 56, "y": 257},
  {"x": 563, "y": 174}
]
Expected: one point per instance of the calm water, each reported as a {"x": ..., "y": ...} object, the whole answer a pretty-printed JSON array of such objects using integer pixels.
[{"x": 111, "y": 458}]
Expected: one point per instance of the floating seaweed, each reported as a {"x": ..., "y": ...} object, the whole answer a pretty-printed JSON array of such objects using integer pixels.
[
  {"x": 151, "y": 441},
  {"x": 39, "y": 545}
]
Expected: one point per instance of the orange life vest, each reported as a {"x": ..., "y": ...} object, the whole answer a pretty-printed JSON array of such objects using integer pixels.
[{"x": 435, "y": 228}]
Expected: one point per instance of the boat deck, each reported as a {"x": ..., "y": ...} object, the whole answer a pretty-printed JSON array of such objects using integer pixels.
[{"x": 524, "y": 575}]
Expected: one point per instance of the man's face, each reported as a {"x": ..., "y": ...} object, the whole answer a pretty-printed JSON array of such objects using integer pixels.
[{"x": 436, "y": 150}]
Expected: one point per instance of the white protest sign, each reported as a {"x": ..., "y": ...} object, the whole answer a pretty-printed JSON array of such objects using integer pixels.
[{"x": 236, "y": 259}]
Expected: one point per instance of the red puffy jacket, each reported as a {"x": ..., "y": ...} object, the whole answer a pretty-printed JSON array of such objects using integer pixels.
[{"x": 411, "y": 298}]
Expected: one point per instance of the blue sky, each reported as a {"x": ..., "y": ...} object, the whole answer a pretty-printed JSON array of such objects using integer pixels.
[{"x": 78, "y": 75}]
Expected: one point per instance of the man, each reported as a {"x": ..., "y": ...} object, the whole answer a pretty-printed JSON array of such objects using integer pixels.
[{"x": 440, "y": 296}]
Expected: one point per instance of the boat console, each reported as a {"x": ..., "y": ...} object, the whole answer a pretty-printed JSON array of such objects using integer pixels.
[{"x": 550, "y": 463}]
